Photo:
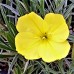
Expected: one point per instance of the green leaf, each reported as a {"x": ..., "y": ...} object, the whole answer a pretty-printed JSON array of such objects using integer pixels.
[
  {"x": 5, "y": 55},
  {"x": 4, "y": 47},
  {"x": 25, "y": 67},
  {"x": 71, "y": 69},
  {"x": 1, "y": 40},
  {"x": 30, "y": 69},
  {"x": 17, "y": 70},
  {"x": 9, "y": 26},
  {"x": 11, "y": 40},
  {"x": 3, "y": 33},
  {"x": 19, "y": 8},
  {"x": 41, "y": 8},
  {"x": 59, "y": 6},
  {"x": 69, "y": 20},
  {"x": 60, "y": 65},
  {"x": 4, "y": 16},
  {"x": 48, "y": 69},
  {"x": 69, "y": 10},
  {"x": 71, "y": 38},
  {"x": 72, "y": 55},
  {"x": 33, "y": 5},
  {"x": 52, "y": 6},
  {"x": 13, "y": 29},
  {"x": 13, "y": 62},
  {"x": 40, "y": 64},
  {"x": 24, "y": 6}
]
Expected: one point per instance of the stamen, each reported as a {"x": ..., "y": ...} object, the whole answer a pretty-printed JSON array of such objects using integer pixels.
[{"x": 44, "y": 37}]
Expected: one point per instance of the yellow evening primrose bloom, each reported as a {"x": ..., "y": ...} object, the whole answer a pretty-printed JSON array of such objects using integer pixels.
[{"x": 42, "y": 38}]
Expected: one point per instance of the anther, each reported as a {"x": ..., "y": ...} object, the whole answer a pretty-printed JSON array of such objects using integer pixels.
[{"x": 44, "y": 37}]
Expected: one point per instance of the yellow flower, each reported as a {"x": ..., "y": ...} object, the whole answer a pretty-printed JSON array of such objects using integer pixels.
[{"x": 42, "y": 38}]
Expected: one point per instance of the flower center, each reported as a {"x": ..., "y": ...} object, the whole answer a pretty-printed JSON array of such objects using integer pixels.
[{"x": 44, "y": 36}]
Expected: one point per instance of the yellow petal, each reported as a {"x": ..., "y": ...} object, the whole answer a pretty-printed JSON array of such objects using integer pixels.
[
  {"x": 62, "y": 49},
  {"x": 27, "y": 45},
  {"x": 57, "y": 27},
  {"x": 46, "y": 52},
  {"x": 52, "y": 51},
  {"x": 31, "y": 22}
]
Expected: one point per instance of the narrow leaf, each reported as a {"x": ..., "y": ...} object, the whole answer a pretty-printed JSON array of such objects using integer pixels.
[
  {"x": 11, "y": 40},
  {"x": 42, "y": 8},
  {"x": 10, "y": 8},
  {"x": 2, "y": 46}
]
